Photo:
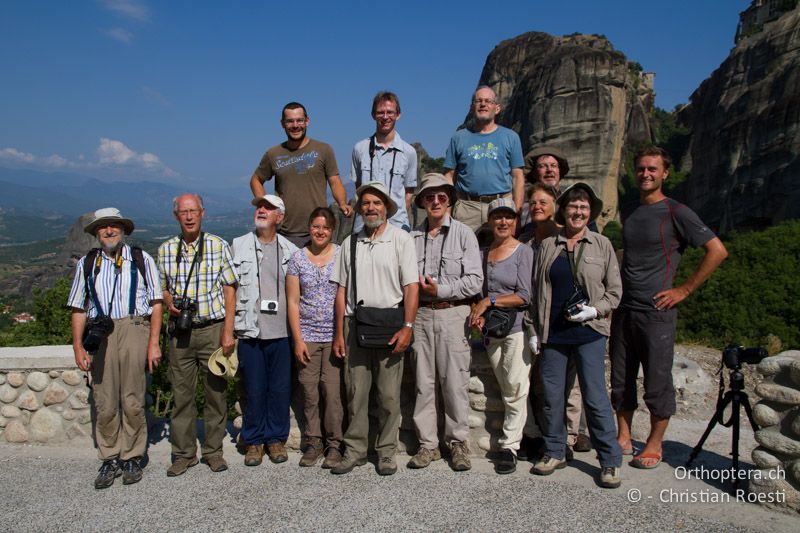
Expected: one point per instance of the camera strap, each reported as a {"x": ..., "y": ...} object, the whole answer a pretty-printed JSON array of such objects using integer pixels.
[
  {"x": 256, "y": 248},
  {"x": 372, "y": 145},
  {"x": 93, "y": 284},
  {"x": 574, "y": 260},
  {"x": 198, "y": 258}
]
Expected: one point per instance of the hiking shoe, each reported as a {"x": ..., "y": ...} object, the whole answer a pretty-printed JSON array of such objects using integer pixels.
[
  {"x": 529, "y": 447},
  {"x": 347, "y": 464},
  {"x": 424, "y": 457},
  {"x": 333, "y": 458},
  {"x": 610, "y": 477},
  {"x": 216, "y": 463},
  {"x": 547, "y": 465},
  {"x": 459, "y": 456},
  {"x": 254, "y": 454},
  {"x": 181, "y": 465},
  {"x": 582, "y": 444},
  {"x": 131, "y": 471},
  {"x": 109, "y": 470},
  {"x": 506, "y": 462},
  {"x": 277, "y": 453},
  {"x": 387, "y": 466},
  {"x": 313, "y": 452}
]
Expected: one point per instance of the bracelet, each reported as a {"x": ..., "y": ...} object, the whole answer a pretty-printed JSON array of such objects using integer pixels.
[{"x": 408, "y": 325}]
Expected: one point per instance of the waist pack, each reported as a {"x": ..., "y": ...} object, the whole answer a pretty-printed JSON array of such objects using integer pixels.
[
  {"x": 375, "y": 326},
  {"x": 498, "y": 322}
]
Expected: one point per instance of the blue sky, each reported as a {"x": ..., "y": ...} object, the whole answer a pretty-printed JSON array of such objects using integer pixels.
[{"x": 190, "y": 92}]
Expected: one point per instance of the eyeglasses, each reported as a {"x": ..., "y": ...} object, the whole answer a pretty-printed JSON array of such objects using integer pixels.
[
  {"x": 441, "y": 197},
  {"x": 183, "y": 213},
  {"x": 547, "y": 165},
  {"x": 479, "y": 101},
  {"x": 581, "y": 207}
]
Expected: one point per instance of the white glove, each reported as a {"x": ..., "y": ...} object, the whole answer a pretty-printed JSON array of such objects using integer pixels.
[
  {"x": 533, "y": 343},
  {"x": 587, "y": 312}
]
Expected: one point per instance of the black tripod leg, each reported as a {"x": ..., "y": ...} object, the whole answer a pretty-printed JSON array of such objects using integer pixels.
[
  {"x": 749, "y": 411},
  {"x": 713, "y": 422},
  {"x": 735, "y": 446}
]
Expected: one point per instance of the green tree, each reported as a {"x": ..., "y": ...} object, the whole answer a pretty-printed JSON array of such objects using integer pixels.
[{"x": 52, "y": 324}]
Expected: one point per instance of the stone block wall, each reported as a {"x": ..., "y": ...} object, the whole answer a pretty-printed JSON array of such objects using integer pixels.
[
  {"x": 778, "y": 415},
  {"x": 43, "y": 396}
]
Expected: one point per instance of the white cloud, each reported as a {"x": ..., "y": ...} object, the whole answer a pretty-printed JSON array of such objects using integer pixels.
[
  {"x": 133, "y": 9},
  {"x": 119, "y": 34},
  {"x": 155, "y": 96},
  {"x": 113, "y": 152},
  {"x": 15, "y": 155}
]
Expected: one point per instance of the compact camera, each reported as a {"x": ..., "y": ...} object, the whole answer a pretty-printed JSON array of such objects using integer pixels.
[
  {"x": 187, "y": 308},
  {"x": 97, "y": 329},
  {"x": 578, "y": 298},
  {"x": 269, "y": 306}
]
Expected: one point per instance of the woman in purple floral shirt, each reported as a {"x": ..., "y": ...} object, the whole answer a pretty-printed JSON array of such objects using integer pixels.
[{"x": 309, "y": 298}]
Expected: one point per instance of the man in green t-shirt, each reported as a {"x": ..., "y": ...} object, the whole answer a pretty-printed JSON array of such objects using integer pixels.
[{"x": 301, "y": 167}]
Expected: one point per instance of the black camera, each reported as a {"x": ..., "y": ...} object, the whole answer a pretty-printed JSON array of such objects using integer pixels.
[
  {"x": 734, "y": 356},
  {"x": 97, "y": 329},
  {"x": 578, "y": 298},
  {"x": 187, "y": 308}
]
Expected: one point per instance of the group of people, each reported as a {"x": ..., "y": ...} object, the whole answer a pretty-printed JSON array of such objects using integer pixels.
[{"x": 532, "y": 279}]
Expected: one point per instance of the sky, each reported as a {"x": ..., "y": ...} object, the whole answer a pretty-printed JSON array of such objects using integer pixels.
[{"x": 190, "y": 91}]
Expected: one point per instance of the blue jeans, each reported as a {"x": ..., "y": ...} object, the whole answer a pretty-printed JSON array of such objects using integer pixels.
[
  {"x": 266, "y": 367},
  {"x": 590, "y": 362}
]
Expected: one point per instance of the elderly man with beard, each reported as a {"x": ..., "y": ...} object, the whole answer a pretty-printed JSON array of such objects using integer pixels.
[
  {"x": 261, "y": 258},
  {"x": 385, "y": 278},
  {"x": 118, "y": 288}
]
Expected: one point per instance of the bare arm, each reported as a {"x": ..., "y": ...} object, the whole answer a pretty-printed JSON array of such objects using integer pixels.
[
  {"x": 226, "y": 338},
  {"x": 402, "y": 337},
  {"x": 338, "y": 335},
  {"x": 518, "y": 187},
  {"x": 256, "y": 186},
  {"x": 715, "y": 255},
  {"x": 293, "y": 315},
  {"x": 154, "y": 342},
  {"x": 450, "y": 174},
  {"x": 339, "y": 194},
  {"x": 78, "y": 323},
  {"x": 409, "y": 196}
]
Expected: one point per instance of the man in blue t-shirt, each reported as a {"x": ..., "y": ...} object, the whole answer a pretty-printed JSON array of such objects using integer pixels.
[
  {"x": 654, "y": 235},
  {"x": 484, "y": 162}
]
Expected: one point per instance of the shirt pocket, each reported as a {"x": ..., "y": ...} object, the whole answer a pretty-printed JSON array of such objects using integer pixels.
[
  {"x": 593, "y": 268},
  {"x": 244, "y": 268},
  {"x": 452, "y": 264}
]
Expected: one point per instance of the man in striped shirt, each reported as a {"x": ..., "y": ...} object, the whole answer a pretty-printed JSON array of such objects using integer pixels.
[
  {"x": 120, "y": 295},
  {"x": 199, "y": 284}
]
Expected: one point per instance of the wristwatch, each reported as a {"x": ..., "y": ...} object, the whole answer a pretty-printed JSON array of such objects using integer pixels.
[
  {"x": 492, "y": 300},
  {"x": 409, "y": 325}
]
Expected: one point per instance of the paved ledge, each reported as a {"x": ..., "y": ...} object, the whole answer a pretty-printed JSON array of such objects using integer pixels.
[{"x": 37, "y": 358}]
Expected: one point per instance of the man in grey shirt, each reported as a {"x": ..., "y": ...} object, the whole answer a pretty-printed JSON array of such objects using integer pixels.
[
  {"x": 450, "y": 275},
  {"x": 386, "y": 158}
]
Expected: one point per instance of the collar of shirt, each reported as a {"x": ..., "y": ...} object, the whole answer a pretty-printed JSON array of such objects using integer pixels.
[
  {"x": 396, "y": 144},
  {"x": 589, "y": 237}
]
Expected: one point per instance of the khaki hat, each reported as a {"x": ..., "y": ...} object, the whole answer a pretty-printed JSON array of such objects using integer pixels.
[
  {"x": 596, "y": 204},
  {"x": 222, "y": 366},
  {"x": 107, "y": 215},
  {"x": 530, "y": 159},
  {"x": 272, "y": 200},
  {"x": 499, "y": 204},
  {"x": 380, "y": 188},
  {"x": 435, "y": 180}
]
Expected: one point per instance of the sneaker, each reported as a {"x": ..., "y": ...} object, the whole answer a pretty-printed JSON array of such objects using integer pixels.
[
  {"x": 277, "y": 453},
  {"x": 459, "y": 456},
  {"x": 582, "y": 444},
  {"x": 254, "y": 454},
  {"x": 387, "y": 466},
  {"x": 313, "y": 452},
  {"x": 181, "y": 465},
  {"x": 131, "y": 471},
  {"x": 506, "y": 462},
  {"x": 216, "y": 463},
  {"x": 547, "y": 465},
  {"x": 347, "y": 464},
  {"x": 333, "y": 458},
  {"x": 609, "y": 477},
  {"x": 424, "y": 457},
  {"x": 109, "y": 470}
]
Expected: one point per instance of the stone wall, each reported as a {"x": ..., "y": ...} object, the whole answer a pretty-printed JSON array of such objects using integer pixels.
[
  {"x": 778, "y": 415},
  {"x": 43, "y": 396}
]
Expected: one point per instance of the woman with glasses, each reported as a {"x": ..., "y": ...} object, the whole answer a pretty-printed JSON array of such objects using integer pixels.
[
  {"x": 310, "y": 297},
  {"x": 577, "y": 284},
  {"x": 507, "y": 286}
]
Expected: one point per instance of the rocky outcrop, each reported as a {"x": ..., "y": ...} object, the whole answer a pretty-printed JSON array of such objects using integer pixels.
[
  {"x": 575, "y": 93},
  {"x": 745, "y": 122}
]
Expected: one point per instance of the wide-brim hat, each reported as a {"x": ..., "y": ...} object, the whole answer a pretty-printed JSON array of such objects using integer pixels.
[
  {"x": 222, "y": 366},
  {"x": 380, "y": 188},
  {"x": 596, "y": 204},
  {"x": 434, "y": 180},
  {"x": 533, "y": 155},
  {"x": 502, "y": 204},
  {"x": 272, "y": 200},
  {"x": 107, "y": 215}
]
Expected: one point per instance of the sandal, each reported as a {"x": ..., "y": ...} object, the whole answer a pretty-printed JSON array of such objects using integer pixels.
[{"x": 636, "y": 462}]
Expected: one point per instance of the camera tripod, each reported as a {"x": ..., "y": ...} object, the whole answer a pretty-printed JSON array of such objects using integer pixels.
[{"x": 737, "y": 398}]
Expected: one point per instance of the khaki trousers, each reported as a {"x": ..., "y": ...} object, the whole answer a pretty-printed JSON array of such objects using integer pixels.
[
  {"x": 323, "y": 372},
  {"x": 363, "y": 369},
  {"x": 511, "y": 361},
  {"x": 442, "y": 350},
  {"x": 188, "y": 354},
  {"x": 118, "y": 383},
  {"x": 472, "y": 212}
]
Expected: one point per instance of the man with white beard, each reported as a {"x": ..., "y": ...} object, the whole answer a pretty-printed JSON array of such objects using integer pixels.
[
  {"x": 117, "y": 287},
  {"x": 261, "y": 258}
]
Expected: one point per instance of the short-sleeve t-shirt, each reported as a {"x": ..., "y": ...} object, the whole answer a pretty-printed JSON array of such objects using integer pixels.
[
  {"x": 654, "y": 237},
  {"x": 301, "y": 178},
  {"x": 483, "y": 161},
  {"x": 272, "y": 286}
]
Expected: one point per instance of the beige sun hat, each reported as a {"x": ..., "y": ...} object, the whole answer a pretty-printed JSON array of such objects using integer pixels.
[
  {"x": 432, "y": 181},
  {"x": 380, "y": 188},
  {"x": 222, "y": 366},
  {"x": 107, "y": 215}
]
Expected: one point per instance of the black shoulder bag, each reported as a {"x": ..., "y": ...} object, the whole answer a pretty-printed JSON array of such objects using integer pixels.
[
  {"x": 497, "y": 321},
  {"x": 374, "y": 326}
]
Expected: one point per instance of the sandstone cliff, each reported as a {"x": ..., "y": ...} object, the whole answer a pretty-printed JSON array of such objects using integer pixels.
[
  {"x": 575, "y": 93},
  {"x": 745, "y": 122}
]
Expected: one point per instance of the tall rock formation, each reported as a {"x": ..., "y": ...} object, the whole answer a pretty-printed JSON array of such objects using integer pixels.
[
  {"x": 575, "y": 93},
  {"x": 745, "y": 122}
]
